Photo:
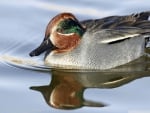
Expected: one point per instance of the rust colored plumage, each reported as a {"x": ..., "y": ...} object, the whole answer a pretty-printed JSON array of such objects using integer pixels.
[{"x": 54, "y": 22}]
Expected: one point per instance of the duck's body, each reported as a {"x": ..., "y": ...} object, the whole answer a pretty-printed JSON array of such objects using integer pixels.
[
  {"x": 105, "y": 43},
  {"x": 92, "y": 54}
]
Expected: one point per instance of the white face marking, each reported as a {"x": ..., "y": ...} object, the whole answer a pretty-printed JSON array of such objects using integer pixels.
[
  {"x": 54, "y": 28},
  {"x": 52, "y": 38},
  {"x": 52, "y": 100},
  {"x": 117, "y": 38},
  {"x": 69, "y": 34}
]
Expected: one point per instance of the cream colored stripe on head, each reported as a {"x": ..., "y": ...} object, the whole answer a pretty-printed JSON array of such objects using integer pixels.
[{"x": 69, "y": 34}]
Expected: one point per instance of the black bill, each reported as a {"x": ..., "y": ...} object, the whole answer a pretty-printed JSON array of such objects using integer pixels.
[{"x": 46, "y": 45}]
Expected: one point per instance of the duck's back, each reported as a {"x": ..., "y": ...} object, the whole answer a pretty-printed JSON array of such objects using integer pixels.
[{"x": 139, "y": 20}]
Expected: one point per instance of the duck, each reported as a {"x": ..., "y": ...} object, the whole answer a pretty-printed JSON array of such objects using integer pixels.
[{"x": 102, "y": 44}]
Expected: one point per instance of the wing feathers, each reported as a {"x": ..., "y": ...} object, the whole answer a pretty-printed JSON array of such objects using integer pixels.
[{"x": 117, "y": 39}]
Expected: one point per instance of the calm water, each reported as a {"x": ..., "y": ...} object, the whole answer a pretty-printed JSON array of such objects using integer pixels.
[{"x": 22, "y": 27}]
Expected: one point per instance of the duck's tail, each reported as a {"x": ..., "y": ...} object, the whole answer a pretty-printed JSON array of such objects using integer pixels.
[
  {"x": 142, "y": 15},
  {"x": 142, "y": 21}
]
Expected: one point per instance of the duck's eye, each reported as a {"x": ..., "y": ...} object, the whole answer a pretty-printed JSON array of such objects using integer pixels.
[
  {"x": 66, "y": 24},
  {"x": 60, "y": 30}
]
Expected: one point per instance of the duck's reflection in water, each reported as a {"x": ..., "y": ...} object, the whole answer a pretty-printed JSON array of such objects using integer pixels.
[{"x": 67, "y": 86}]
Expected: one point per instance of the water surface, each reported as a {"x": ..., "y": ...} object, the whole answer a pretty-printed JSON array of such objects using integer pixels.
[{"x": 23, "y": 23}]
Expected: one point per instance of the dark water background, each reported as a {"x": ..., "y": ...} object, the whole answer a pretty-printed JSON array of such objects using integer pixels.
[{"x": 22, "y": 27}]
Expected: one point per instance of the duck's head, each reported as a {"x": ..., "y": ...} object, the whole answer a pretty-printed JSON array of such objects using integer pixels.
[{"x": 63, "y": 34}]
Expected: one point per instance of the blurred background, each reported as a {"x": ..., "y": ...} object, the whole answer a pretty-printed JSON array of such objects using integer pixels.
[{"x": 22, "y": 28}]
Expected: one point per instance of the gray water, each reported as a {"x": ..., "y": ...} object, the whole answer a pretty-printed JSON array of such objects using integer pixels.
[{"x": 22, "y": 27}]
